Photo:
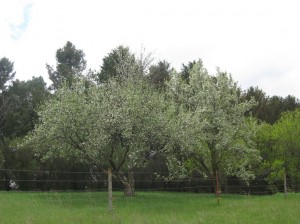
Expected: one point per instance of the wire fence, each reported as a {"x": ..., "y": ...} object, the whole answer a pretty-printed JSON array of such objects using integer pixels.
[{"x": 56, "y": 180}]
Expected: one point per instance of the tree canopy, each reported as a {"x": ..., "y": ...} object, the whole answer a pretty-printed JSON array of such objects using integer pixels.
[
  {"x": 6, "y": 72},
  {"x": 280, "y": 147},
  {"x": 118, "y": 64},
  {"x": 210, "y": 129},
  {"x": 70, "y": 65},
  {"x": 137, "y": 115},
  {"x": 6, "y": 75},
  {"x": 159, "y": 74},
  {"x": 103, "y": 125}
]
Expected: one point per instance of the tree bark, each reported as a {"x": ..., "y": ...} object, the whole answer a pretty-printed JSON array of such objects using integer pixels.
[
  {"x": 131, "y": 181},
  {"x": 218, "y": 185},
  {"x": 110, "y": 204},
  {"x": 128, "y": 191},
  {"x": 128, "y": 183},
  {"x": 285, "y": 184}
]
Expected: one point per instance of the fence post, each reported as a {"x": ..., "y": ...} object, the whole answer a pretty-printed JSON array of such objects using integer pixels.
[{"x": 110, "y": 203}]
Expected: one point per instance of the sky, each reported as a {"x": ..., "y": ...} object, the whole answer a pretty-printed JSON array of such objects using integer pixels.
[{"x": 257, "y": 41}]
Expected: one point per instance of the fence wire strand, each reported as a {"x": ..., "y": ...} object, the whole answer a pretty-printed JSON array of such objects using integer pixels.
[{"x": 78, "y": 181}]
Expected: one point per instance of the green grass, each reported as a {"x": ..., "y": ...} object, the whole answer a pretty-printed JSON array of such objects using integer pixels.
[{"x": 146, "y": 207}]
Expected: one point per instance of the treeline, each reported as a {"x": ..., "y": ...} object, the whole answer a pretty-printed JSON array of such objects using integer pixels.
[{"x": 134, "y": 116}]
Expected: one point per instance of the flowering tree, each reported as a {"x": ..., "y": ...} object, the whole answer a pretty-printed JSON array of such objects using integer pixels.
[
  {"x": 109, "y": 125},
  {"x": 212, "y": 134}
]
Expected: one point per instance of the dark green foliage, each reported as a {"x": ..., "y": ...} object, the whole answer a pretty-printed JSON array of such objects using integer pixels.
[
  {"x": 6, "y": 75},
  {"x": 25, "y": 97},
  {"x": 186, "y": 69},
  {"x": 6, "y": 72},
  {"x": 118, "y": 64},
  {"x": 259, "y": 96},
  {"x": 70, "y": 65},
  {"x": 269, "y": 109},
  {"x": 159, "y": 74}
]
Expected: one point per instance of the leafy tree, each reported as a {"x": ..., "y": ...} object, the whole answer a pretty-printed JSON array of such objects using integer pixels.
[
  {"x": 211, "y": 133},
  {"x": 25, "y": 98},
  {"x": 287, "y": 145},
  {"x": 259, "y": 110},
  {"x": 6, "y": 75},
  {"x": 275, "y": 106},
  {"x": 271, "y": 168},
  {"x": 159, "y": 74},
  {"x": 280, "y": 146},
  {"x": 186, "y": 69},
  {"x": 118, "y": 64},
  {"x": 70, "y": 65},
  {"x": 269, "y": 109},
  {"x": 144, "y": 61},
  {"x": 106, "y": 126},
  {"x": 6, "y": 72}
]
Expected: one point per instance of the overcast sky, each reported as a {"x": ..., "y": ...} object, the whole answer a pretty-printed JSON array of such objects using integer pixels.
[{"x": 257, "y": 41}]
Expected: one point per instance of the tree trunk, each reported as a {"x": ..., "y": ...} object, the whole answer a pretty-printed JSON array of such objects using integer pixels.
[
  {"x": 128, "y": 183},
  {"x": 216, "y": 175},
  {"x": 110, "y": 204},
  {"x": 128, "y": 191},
  {"x": 218, "y": 184},
  {"x": 6, "y": 182},
  {"x": 285, "y": 184},
  {"x": 131, "y": 181}
]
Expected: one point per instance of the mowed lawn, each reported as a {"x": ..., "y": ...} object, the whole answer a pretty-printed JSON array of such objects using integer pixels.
[{"x": 146, "y": 207}]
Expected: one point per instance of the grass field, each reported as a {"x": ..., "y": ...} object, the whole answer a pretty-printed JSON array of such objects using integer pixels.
[{"x": 146, "y": 207}]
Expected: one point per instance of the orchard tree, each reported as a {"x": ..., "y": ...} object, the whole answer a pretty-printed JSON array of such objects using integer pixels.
[
  {"x": 69, "y": 67},
  {"x": 129, "y": 119},
  {"x": 108, "y": 126},
  {"x": 210, "y": 131}
]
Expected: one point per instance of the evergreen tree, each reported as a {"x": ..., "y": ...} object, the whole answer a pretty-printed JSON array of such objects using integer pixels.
[{"x": 70, "y": 65}]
